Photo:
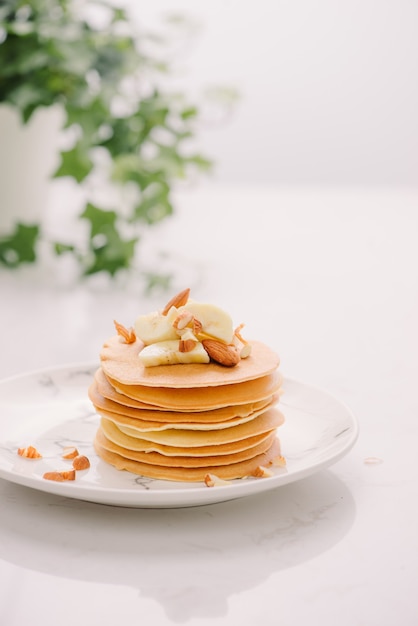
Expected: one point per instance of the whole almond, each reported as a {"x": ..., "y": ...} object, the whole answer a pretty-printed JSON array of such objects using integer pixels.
[
  {"x": 179, "y": 300},
  {"x": 221, "y": 352}
]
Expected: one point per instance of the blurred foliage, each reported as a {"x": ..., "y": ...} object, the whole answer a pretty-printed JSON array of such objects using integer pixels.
[
  {"x": 20, "y": 246},
  {"x": 52, "y": 52}
]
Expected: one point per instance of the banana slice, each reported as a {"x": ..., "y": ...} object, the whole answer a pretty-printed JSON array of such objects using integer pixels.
[
  {"x": 215, "y": 321},
  {"x": 154, "y": 327},
  {"x": 168, "y": 353}
]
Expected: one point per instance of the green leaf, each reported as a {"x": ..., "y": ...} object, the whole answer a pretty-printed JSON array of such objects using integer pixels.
[
  {"x": 200, "y": 162},
  {"x": 108, "y": 250},
  {"x": 114, "y": 253},
  {"x": 89, "y": 117},
  {"x": 100, "y": 220},
  {"x": 155, "y": 282},
  {"x": 152, "y": 211},
  {"x": 119, "y": 15},
  {"x": 155, "y": 204},
  {"x": 20, "y": 247},
  {"x": 75, "y": 163},
  {"x": 188, "y": 113},
  {"x": 62, "y": 248},
  {"x": 26, "y": 98}
]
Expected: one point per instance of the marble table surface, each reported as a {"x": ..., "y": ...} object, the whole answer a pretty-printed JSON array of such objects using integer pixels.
[{"x": 327, "y": 277}]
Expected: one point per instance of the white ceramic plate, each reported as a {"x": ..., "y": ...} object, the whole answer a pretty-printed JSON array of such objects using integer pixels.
[{"x": 50, "y": 410}]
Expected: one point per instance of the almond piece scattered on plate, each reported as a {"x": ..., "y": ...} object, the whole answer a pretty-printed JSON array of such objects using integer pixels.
[
  {"x": 60, "y": 476},
  {"x": 70, "y": 452},
  {"x": 211, "y": 480},
  {"x": 29, "y": 453},
  {"x": 81, "y": 462}
]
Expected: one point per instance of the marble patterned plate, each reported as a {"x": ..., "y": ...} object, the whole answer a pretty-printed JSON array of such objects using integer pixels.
[{"x": 49, "y": 409}]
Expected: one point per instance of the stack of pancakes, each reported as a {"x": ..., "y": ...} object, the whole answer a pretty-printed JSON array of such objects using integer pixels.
[{"x": 183, "y": 422}]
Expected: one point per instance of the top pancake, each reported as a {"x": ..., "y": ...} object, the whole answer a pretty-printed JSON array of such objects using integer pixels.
[{"x": 120, "y": 362}]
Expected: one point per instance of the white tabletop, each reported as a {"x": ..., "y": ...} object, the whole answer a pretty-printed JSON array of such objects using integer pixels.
[{"x": 329, "y": 278}]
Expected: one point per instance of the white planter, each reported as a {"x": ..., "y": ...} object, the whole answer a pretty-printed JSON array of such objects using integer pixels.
[{"x": 28, "y": 157}]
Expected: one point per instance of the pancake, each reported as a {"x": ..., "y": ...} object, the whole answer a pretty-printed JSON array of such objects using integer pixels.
[
  {"x": 202, "y": 398},
  {"x": 107, "y": 391},
  {"x": 231, "y": 471},
  {"x": 128, "y": 445},
  {"x": 190, "y": 438},
  {"x": 146, "y": 425},
  {"x": 120, "y": 363},
  {"x": 155, "y": 414}
]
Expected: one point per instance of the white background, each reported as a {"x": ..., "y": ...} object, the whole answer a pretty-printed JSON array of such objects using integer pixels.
[{"x": 329, "y": 91}]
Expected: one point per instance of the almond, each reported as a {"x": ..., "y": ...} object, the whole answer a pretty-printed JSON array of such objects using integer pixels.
[
  {"x": 262, "y": 472},
  {"x": 197, "y": 326},
  {"x": 279, "y": 461},
  {"x": 179, "y": 300},
  {"x": 29, "y": 453},
  {"x": 221, "y": 352},
  {"x": 81, "y": 462},
  {"x": 60, "y": 476},
  {"x": 243, "y": 349},
  {"x": 211, "y": 480},
  {"x": 242, "y": 345},
  {"x": 127, "y": 334},
  {"x": 69, "y": 452},
  {"x": 182, "y": 320},
  {"x": 187, "y": 345}
]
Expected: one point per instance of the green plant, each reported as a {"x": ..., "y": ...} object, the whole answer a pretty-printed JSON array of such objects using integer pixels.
[{"x": 107, "y": 83}]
